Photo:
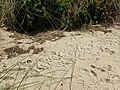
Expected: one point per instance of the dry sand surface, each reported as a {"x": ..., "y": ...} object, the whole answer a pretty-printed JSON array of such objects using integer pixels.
[{"x": 77, "y": 61}]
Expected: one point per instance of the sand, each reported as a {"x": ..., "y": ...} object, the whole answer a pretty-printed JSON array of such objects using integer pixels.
[{"x": 77, "y": 61}]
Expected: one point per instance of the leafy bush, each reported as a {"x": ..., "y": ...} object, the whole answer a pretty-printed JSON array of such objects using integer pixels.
[{"x": 41, "y": 15}]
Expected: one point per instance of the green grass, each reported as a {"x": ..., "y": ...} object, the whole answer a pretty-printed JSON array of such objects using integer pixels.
[{"x": 41, "y": 15}]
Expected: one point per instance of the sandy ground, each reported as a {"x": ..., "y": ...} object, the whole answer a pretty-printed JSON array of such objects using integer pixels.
[{"x": 77, "y": 61}]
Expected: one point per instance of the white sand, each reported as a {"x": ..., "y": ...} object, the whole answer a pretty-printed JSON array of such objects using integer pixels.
[{"x": 87, "y": 61}]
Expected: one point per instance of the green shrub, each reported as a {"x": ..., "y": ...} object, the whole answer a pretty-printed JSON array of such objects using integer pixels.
[{"x": 41, "y": 15}]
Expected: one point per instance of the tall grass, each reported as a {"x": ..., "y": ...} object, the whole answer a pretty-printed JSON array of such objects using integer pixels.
[
  {"x": 6, "y": 12},
  {"x": 41, "y": 15}
]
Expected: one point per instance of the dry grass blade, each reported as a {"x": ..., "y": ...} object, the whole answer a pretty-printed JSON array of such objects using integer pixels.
[
  {"x": 72, "y": 74},
  {"x": 26, "y": 74},
  {"x": 62, "y": 78}
]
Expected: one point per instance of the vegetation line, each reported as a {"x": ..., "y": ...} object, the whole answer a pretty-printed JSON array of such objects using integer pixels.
[{"x": 28, "y": 16}]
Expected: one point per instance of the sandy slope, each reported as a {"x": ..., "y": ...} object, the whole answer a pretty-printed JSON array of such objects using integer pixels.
[{"x": 78, "y": 61}]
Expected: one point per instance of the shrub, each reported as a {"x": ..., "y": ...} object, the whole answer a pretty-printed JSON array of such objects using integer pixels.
[{"x": 41, "y": 15}]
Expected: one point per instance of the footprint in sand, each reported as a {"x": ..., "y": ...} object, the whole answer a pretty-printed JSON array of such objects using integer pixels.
[
  {"x": 107, "y": 50},
  {"x": 111, "y": 52}
]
